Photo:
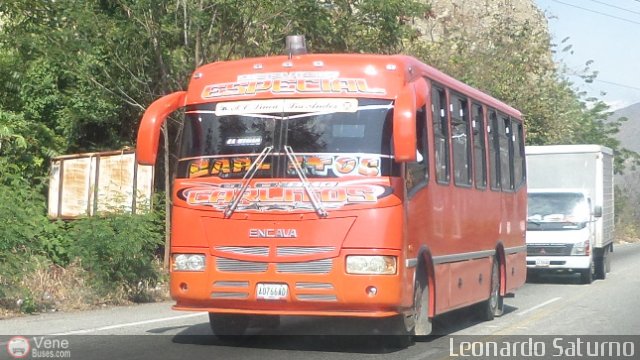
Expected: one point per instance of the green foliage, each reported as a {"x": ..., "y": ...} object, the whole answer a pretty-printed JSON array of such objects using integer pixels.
[
  {"x": 511, "y": 60},
  {"x": 119, "y": 250},
  {"x": 56, "y": 243},
  {"x": 21, "y": 211}
]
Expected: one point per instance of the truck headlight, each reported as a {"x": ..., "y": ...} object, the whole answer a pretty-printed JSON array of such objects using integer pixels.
[
  {"x": 371, "y": 264},
  {"x": 581, "y": 248},
  {"x": 188, "y": 262}
]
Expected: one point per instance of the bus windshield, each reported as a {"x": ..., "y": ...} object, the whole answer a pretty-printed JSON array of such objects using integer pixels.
[
  {"x": 557, "y": 211},
  {"x": 329, "y": 138}
]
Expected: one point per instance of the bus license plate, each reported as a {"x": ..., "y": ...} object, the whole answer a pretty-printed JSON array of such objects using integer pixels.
[
  {"x": 542, "y": 262},
  {"x": 272, "y": 291}
]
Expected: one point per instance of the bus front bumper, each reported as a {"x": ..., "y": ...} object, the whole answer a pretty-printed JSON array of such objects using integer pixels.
[{"x": 321, "y": 288}]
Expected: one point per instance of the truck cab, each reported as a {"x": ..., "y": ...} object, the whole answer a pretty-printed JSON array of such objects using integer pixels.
[{"x": 561, "y": 228}]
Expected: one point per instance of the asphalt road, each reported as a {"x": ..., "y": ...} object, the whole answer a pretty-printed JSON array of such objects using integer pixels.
[{"x": 553, "y": 307}]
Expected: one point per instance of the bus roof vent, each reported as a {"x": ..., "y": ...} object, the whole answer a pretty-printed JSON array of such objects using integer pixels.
[{"x": 295, "y": 45}]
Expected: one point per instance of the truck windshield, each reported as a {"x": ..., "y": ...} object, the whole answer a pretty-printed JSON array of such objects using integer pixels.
[
  {"x": 329, "y": 137},
  {"x": 557, "y": 211}
]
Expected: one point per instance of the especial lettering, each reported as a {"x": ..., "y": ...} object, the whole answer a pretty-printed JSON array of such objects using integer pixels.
[{"x": 290, "y": 86}]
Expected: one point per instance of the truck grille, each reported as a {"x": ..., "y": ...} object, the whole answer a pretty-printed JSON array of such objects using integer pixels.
[{"x": 549, "y": 249}]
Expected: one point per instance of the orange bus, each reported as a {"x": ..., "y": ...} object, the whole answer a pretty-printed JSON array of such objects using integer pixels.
[{"x": 345, "y": 185}]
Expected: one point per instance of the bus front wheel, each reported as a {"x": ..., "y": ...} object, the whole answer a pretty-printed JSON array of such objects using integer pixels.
[
  {"x": 422, "y": 323},
  {"x": 228, "y": 325}
]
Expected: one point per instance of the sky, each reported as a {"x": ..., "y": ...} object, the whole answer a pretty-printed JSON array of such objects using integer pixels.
[{"x": 606, "y": 32}]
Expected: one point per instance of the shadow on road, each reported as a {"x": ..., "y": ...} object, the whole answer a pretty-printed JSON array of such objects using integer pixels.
[
  {"x": 350, "y": 335},
  {"x": 302, "y": 334},
  {"x": 554, "y": 278}
]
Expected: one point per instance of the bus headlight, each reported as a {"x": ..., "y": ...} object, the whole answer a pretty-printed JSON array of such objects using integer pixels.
[
  {"x": 188, "y": 262},
  {"x": 371, "y": 264}
]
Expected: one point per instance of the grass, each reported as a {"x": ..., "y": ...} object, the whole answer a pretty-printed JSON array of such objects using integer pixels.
[{"x": 53, "y": 288}]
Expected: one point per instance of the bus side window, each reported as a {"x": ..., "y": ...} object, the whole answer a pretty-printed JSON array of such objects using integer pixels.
[
  {"x": 440, "y": 134},
  {"x": 460, "y": 140},
  {"x": 494, "y": 155},
  {"x": 506, "y": 153},
  {"x": 417, "y": 173},
  {"x": 518, "y": 145},
  {"x": 479, "y": 147}
]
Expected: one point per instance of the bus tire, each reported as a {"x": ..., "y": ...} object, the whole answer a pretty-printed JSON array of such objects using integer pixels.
[
  {"x": 396, "y": 333},
  {"x": 494, "y": 305},
  {"x": 228, "y": 326},
  {"x": 422, "y": 323}
]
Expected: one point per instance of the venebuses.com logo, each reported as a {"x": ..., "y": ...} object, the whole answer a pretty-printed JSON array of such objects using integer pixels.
[
  {"x": 18, "y": 347},
  {"x": 38, "y": 347}
]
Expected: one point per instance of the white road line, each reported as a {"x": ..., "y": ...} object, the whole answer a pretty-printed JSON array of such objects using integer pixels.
[
  {"x": 124, "y": 325},
  {"x": 539, "y": 306}
]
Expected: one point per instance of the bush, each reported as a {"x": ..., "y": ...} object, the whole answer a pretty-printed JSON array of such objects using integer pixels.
[
  {"x": 22, "y": 218},
  {"x": 111, "y": 258},
  {"x": 118, "y": 250}
]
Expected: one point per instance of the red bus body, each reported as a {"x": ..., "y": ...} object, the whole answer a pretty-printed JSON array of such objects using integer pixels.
[{"x": 447, "y": 233}]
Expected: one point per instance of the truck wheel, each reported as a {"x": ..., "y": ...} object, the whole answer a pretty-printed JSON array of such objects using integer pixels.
[
  {"x": 602, "y": 263},
  {"x": 494, "y": 305},
  {"x": 227, "y": 326},
  {"x": 586, "y": 275},
  {"x": 600, "y": 272}
]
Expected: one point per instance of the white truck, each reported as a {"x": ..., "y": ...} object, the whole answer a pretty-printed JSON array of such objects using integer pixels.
[{"x": 570, "y": 210}]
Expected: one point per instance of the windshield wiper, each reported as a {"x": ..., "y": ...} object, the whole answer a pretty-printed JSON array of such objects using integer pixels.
[
  {"x": 246, "y": 179},
  {"x": 317, "y": 205}
]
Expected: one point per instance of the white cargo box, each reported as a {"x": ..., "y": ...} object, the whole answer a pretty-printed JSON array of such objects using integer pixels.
[{"x": 586, "y": 167}]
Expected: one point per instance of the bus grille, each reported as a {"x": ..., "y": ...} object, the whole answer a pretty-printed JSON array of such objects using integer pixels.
[
  {"x": 316, "y": 297},
  {"x": 299, "y": 250},
  {"x": 244, "y": 250},
  {"x": 309, "y": 267},
  {"x": 313, "y": 285},
  {"x": 549, "y": 249},
  {"x": 230, "y": 265},
  {"x": 229, "y": 295},
  {"x": 280, "y": 251}
]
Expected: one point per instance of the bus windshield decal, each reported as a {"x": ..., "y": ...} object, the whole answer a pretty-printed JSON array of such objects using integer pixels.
[
  {"x": 285, "y": 196},
  {"x": 286, "y": 106},
  {"x": 313, "y": 165}
]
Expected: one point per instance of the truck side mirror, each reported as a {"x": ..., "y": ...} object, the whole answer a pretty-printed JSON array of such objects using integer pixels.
[
  {"x": 152, "y": 120},
  {"x": 597, "y": 211},
  {"x": 404, "y": 125}
]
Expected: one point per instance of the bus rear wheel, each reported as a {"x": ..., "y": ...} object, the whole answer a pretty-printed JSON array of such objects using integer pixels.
[{"x": 494, "y": 305}]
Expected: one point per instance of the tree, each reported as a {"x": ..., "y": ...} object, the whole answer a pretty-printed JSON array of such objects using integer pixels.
[{"x": 511, "y": 59}]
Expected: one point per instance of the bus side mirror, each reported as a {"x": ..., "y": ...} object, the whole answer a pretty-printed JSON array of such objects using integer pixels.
[
  {"x": 597, "y": 211},
  {"x": 404, "y": 126},
  {"x": 151, "y": 124}
]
